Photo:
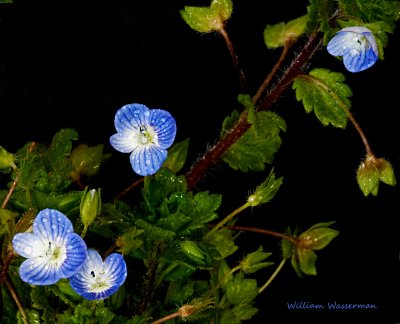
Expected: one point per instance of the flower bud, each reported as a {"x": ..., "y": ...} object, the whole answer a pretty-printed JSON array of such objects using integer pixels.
[
  {"x": 371, "y": 171},
  {"x": 90, "y": 206}
]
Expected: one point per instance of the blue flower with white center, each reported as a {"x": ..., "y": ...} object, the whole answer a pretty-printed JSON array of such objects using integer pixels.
[
  {"x": 146, "y": 134},
  {"x": 53, "y": 250},
  {"x": 358, "y": 47},
  {"x": 97, "y": 279}
]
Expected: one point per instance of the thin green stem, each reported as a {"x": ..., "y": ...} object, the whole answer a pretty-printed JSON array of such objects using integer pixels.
[
  {"x": 277, "y": 270},
  {"x": 227, "y": 219}
]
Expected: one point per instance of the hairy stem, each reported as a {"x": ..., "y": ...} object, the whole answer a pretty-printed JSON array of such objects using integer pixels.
[
  {"x": 262, "y": 231},
  {"x": 201, "y": 166},
  {"x": 235, "y": 59},
  {"x": 271, "y": 74}
]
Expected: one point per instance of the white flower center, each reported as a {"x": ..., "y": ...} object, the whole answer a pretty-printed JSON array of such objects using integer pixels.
[
  {"x": 147, "y": 136},
  {"x": 100, "y": 280},
  {"x": 55, "y": 254}
]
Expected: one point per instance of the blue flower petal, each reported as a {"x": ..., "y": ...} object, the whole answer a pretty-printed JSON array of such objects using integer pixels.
[
  {"x": 147, "y": 160},
  {"x": 37, "y": 271},
  {"x": 358, "y": 47},
  {"x": 28, "y": 245},
  {"x": 97, "y": 279},
  {"x": 51, "y": 225},
  {"x": 130, "y": 117},
  {"x": 164, "y": 125},
  {"x": 76, "y": 253}
]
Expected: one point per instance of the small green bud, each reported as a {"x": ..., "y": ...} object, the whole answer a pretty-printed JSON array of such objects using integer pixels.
[
  {"x": 90, "y": 206},
  {"x": 317, "y": 237},
  {"x": 373, "y": 170},
  {"x": 253, "y": 261},
  {"x": 265, "y": 191},
  {"x": 6, "y": 161},
  {"x": 193, "y": 251}
]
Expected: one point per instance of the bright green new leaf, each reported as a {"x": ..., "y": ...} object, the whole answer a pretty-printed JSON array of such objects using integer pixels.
[
  {"x": 258, "y": 145},
  {"x": 177, "y": 156},
  {"x": 222, "y": 8},
  {"x": 324, "y": 92},
  {"x": 223, "y": 243},
  {"x": 207, "y": 19},
  {"x": 6, "y": 161},
  {"x": 280, "y": 34},
  {"x": 129, "y": 241}
]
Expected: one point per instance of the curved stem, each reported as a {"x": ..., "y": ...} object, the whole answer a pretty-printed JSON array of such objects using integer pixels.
[
  {"x": 17, "y": 301},
  {"x": 271, "y": 74},
  {"x": 235, "y": 59},
  {"x": 345, "y": 109},
  {"x": 201, "y": 166},
  {"x": 262, "y": 231},
  {"x": 277, "y": 270}
]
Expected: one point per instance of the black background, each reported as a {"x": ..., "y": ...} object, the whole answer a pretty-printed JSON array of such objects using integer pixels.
[{"x": 74, "y": 65}]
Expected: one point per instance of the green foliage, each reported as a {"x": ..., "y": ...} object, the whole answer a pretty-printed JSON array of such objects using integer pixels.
[
  {"x": 177, "y": 257},
  {"x": 280, "y": 34},
  {"x": 177, "y": 156},
  {"x": 258, "y": 145},
  {"x": 301, "y": 248},
  {"x": 207, "y": 19},
  {"x": 371, "y": 172},
  {"x": 325, "y": 93}
]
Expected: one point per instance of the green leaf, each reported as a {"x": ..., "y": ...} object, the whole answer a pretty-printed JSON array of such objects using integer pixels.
[
  {"x": 177, "y": 156},
  {"x": 207, "y": 19},
  {"x": 369, "y": 11},
  {"x": 223, "y": 242},
  {"x": 152, "y": 232},
  {"x": 6, "y": 1},
  {"x": 201, "y": 208},
  {"x": 161, "y": 185},
  {"x": 307, "y": 259},
  {"x": 324, "y": 92},
  {"x": 128, "y": 242},
  {"x": 320, "y": 13},
  {"x": 280, "y": 34},
  {"x": 253, "y": 261},
  {"x": 194, "y": 252},
  {"x": 258, "y": 145},
  {"x": 86, "y": 160},
  {"x": 6, "y": 161},
  {"x": 7, "y": 221},
  {"x": 240, "y": 290}
]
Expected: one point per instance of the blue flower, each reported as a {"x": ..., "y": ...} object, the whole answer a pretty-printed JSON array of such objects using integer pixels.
[
  {"x": 53, "y": 250},
  {"x": 146, "y": 134},
  {"x": 358, "y": 47},
  {"x": 97, "y": 279}
]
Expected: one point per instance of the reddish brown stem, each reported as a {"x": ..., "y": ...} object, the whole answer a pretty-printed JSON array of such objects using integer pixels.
[{"x": 201, "y": 166}]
